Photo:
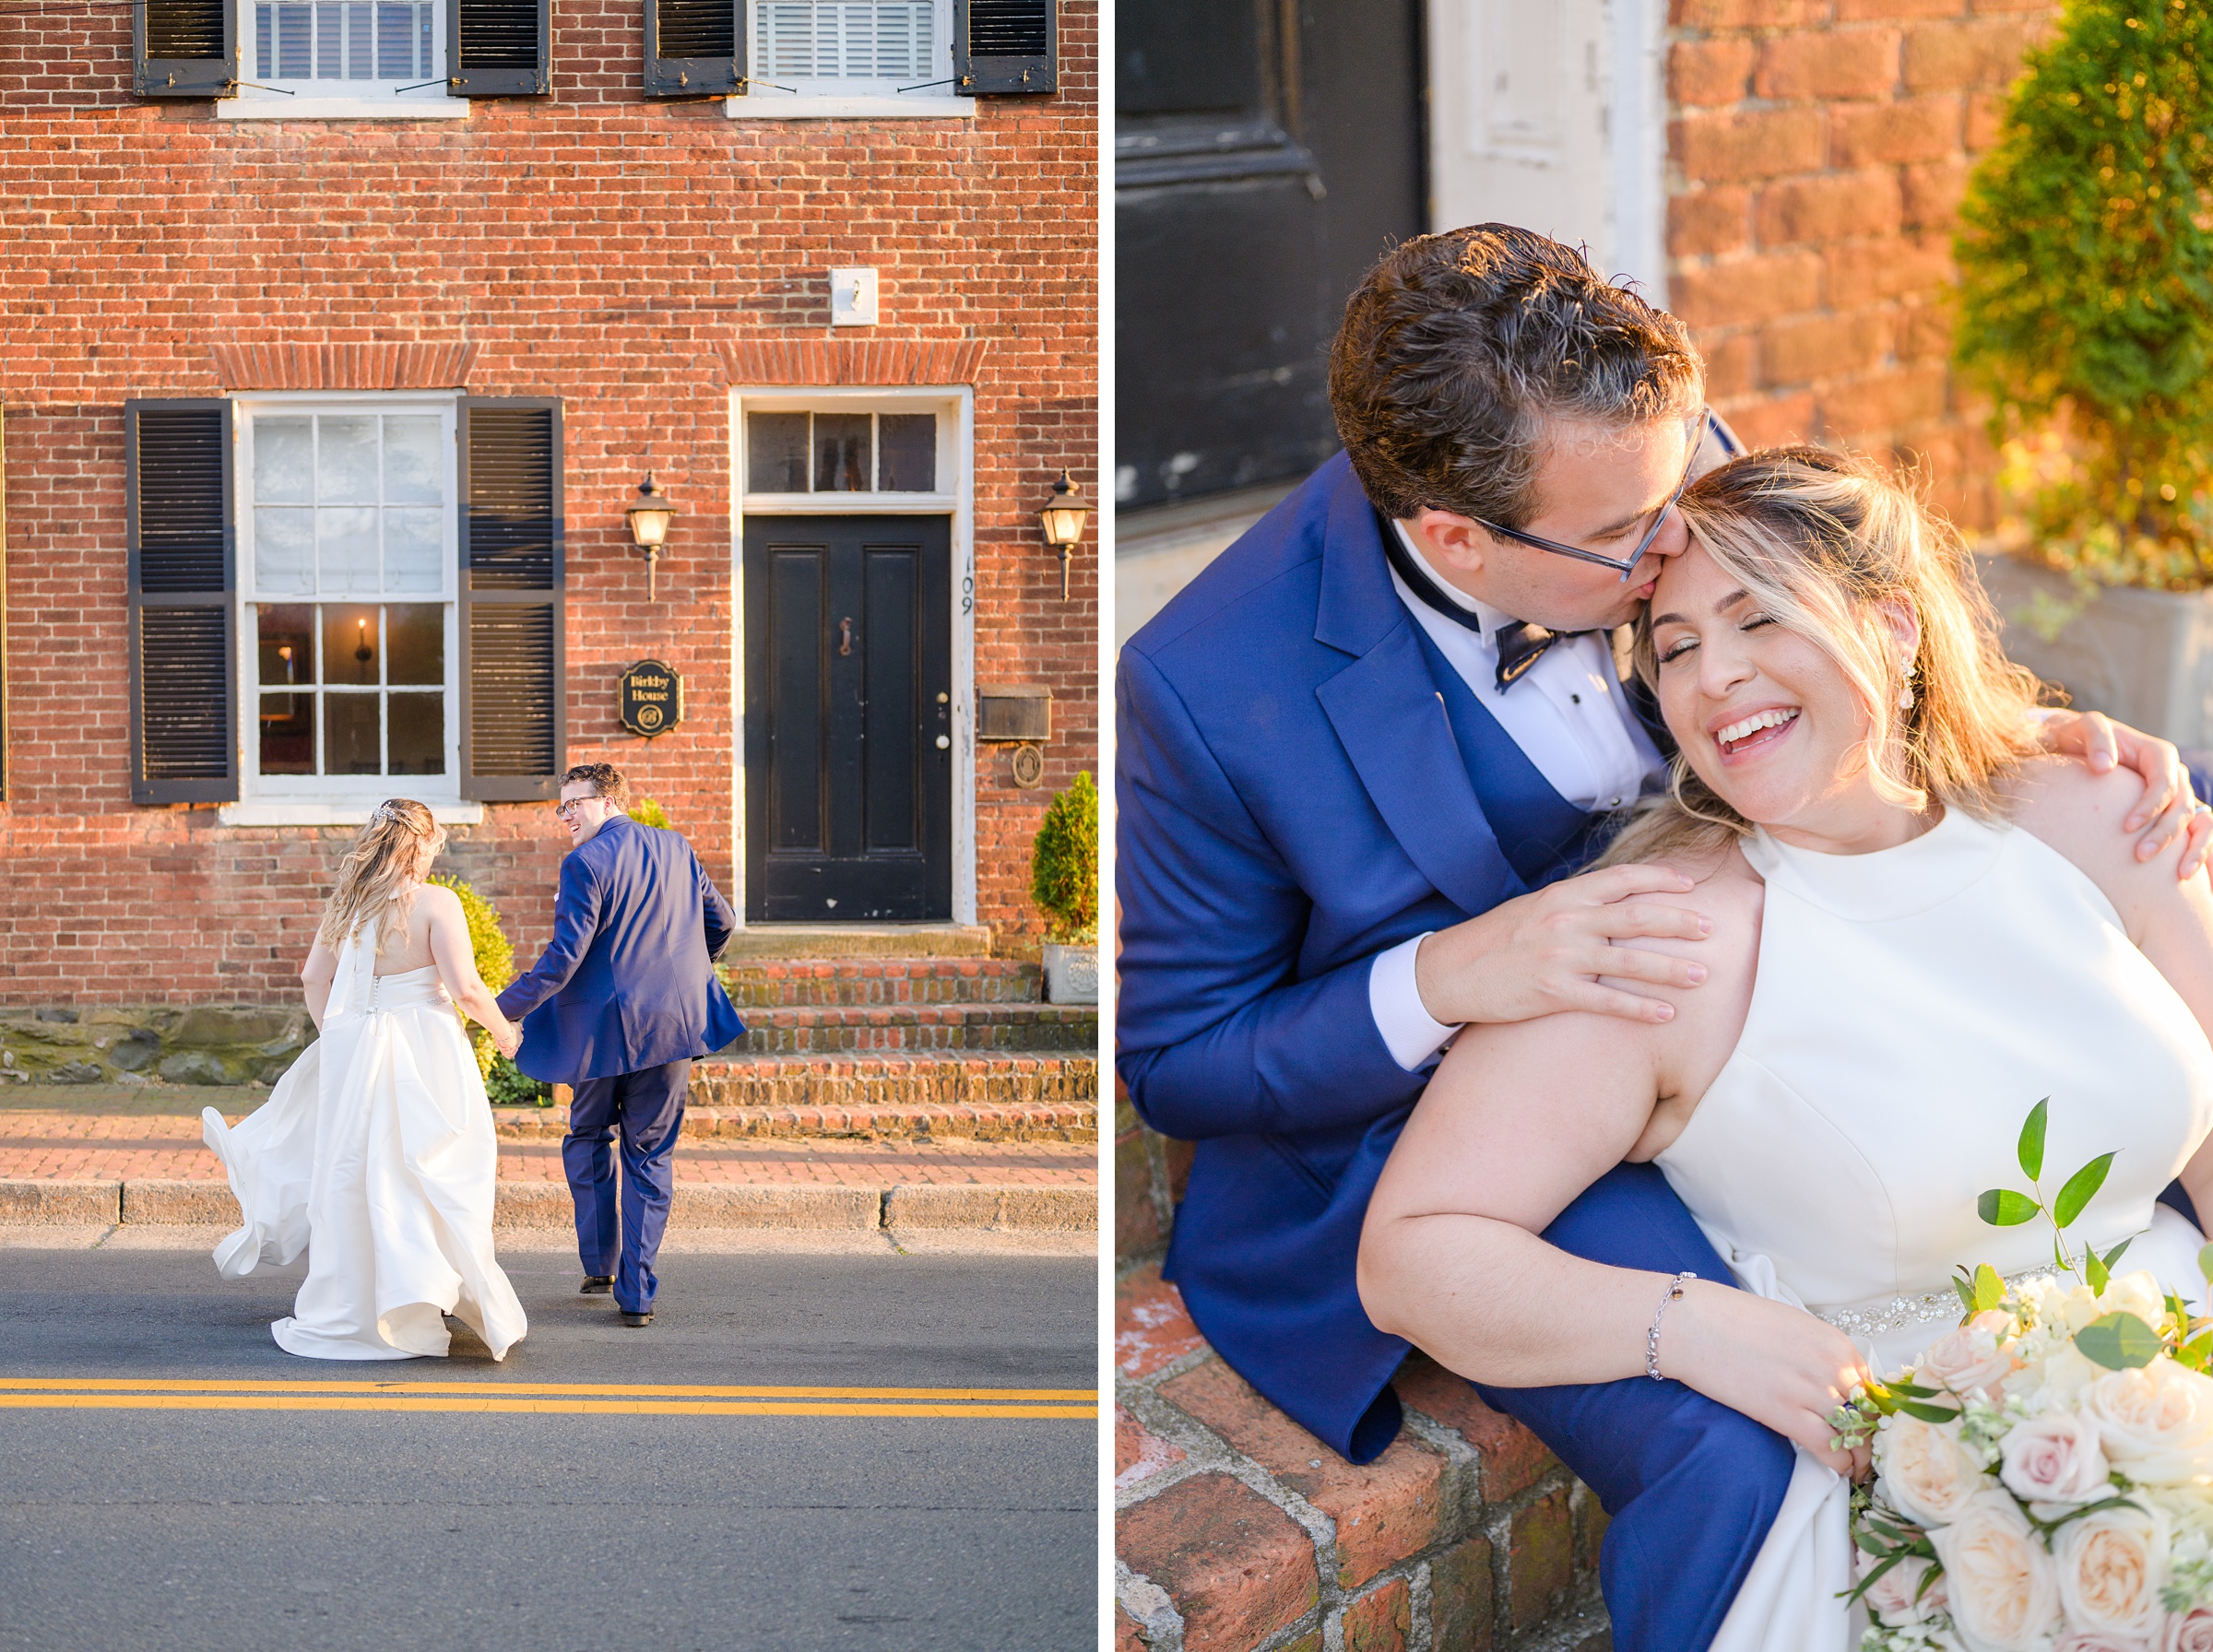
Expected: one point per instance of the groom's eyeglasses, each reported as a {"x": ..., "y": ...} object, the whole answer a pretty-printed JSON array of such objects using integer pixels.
[
  {"x": 567, "y": 810},
  {"x": 1623, "y": 568}
]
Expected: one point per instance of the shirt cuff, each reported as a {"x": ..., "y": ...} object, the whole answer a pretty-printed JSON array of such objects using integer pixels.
[{"x": 1410, "y": 1033}]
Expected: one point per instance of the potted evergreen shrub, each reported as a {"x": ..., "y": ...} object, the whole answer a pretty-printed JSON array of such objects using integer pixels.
[
  {"x": 1064, "y": 882},
  {"x": 2086, "y": 311},
  {"x": 505, "y": 1083}
]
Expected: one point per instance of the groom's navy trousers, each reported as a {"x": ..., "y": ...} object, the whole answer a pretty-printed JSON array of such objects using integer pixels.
[
  {"x": 646, "y": 1110},
  {"x": 1300, "y": 786}
]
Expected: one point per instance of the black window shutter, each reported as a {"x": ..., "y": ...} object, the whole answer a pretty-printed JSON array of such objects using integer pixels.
[
  {"x": 182, "y": 556},
  {"x": 694, "y": 48},
  {"x": 513, "y": 711},
  {"x": 1002, "y": 48},
  {"x": 498, "y": 48},
  {"x": 184, "y": 47}
]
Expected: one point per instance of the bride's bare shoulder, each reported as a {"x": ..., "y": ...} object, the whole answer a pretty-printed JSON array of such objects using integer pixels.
[{"x": 2062, "y": 803}]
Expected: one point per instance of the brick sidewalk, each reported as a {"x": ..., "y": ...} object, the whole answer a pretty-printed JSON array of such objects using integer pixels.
[{"x": 74, "y": 1146}]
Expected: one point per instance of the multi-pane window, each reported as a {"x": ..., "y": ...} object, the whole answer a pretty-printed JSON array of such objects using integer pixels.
[
  {"x": 841, "y": 453},
  {"x": 845, "y": 40},
  {"x": 386, "y": 40},
  {"x": 351, "y": 520}
]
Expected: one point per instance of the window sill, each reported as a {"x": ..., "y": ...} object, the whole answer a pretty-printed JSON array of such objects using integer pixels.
[
  {"x": 779, "y": 106},
  {"x": 265, "y": 108},
  {"x": 307, "y": 811}
]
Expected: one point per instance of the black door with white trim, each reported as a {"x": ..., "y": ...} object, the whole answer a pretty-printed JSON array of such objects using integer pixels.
[{"x": 849, "y": 719}]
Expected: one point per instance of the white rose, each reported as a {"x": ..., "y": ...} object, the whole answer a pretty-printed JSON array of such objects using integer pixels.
[
  {"x": 1927, "y": 1475},
  {"x": 2003, "y": 1594},
  {"x": 1896, "y": 1597},
  {"x": 2155, "y": 1421},
  {"x": 2055, "y": 1458},
  {"x": 2096, "y": 1640},
  {"x": 2136, "y": 1293},
  {"x": 2057, "y": 1381},
  {"x": 2188, "y": 1632},
  {"x": 1973, "y": 1359},
  {"x": 2112, "y": 1567}
]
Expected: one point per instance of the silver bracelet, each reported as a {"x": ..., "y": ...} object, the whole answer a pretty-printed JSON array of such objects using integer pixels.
[{"x": 1652, "y": 1338}]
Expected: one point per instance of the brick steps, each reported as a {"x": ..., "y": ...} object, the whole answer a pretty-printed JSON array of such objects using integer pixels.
[
  {"x": 810, "y": 1030},
  {"x": 891, "y": 1078},
  {"x": 784, "y": 982},
  {"x": 1038, "y": 1121}
]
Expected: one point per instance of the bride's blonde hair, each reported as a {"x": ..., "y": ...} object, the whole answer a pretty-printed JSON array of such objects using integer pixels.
[
  {"x": 1825, "y": 543},
  {"x": 377, "y": 877}
]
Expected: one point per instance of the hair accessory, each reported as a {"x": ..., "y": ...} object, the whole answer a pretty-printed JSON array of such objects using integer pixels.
[{"x": 1652, "y": 1338}]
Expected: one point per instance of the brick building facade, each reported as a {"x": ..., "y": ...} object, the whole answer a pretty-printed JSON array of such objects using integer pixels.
[
  {"x": 567, "y": 291},
  {"x": 1817, "y": 154}
]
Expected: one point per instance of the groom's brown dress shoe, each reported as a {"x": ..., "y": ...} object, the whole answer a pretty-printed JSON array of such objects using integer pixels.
[
  {"x": 598, "y": 1285},
  {"x": 635, "y": 1319}
]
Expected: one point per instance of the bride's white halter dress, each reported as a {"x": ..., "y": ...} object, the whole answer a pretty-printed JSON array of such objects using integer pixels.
[
  {"x": 1911, "y": 1006},
  {"x": 376, "y": 1153}
]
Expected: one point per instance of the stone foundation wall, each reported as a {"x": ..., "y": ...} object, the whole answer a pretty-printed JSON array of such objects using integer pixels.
[{"x": 150, "y": 1043}]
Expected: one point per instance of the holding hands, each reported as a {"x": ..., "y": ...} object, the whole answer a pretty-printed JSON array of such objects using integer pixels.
[{"x": 506, "y": 1037}]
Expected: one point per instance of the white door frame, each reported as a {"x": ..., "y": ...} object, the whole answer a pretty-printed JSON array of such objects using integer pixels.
[
  {"x": 1554, "y": 116},
  {"x": 955, "y": 408}
]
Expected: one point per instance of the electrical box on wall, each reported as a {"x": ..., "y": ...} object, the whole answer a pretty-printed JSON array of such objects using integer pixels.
[
  {"x": 1014, "y": 712},
  {"x": 852, "y": 298}
]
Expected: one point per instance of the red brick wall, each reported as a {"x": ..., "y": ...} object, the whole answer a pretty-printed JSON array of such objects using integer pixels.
[
  {"x": 1816, "y": 155},
  {"x": 616, "y": 252}
]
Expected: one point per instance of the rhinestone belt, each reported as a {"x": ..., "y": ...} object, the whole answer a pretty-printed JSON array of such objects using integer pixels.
[{"x": 1902, "y": 1311}]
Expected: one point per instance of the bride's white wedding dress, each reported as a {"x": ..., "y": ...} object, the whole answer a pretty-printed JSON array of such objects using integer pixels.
[
  {"x": 1911, "y": 1006},
  {"x": 376, "y": 1152}
]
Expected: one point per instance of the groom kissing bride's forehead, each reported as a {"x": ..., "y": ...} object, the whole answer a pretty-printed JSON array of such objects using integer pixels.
[{"x": 1362, "y": 762}]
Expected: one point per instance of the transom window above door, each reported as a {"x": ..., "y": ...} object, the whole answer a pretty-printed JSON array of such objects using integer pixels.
[
  {"x": 842, "y": 452},
  {"x": 349, "y": 598}
]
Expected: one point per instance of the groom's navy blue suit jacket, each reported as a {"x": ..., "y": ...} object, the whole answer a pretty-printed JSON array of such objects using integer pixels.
[
  {"x": 628, "y": 980},
  {"x": 1295, "y": 794}
]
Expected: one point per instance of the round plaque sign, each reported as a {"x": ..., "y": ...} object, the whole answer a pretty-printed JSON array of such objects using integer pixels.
[{"x": 650, "y": 699}]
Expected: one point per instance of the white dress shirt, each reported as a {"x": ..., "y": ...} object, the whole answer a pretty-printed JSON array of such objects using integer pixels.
[{"x": 1569, "y": 716}]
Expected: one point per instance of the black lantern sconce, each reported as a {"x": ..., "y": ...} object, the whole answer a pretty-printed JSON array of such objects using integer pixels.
[
  {"x": 650, "y": 515},
  {"x": 1064, "y": 519}
]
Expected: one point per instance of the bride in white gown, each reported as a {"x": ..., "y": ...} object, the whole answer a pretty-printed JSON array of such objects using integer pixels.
[
  {"x": 1919, "y": 931},
  {"x": 375, "y": 1151}
]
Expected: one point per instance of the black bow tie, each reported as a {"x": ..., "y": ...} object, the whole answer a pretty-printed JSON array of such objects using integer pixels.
[{"x": 1521, "y": 645}]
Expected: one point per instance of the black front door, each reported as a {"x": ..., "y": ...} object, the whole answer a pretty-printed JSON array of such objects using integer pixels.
[{"x": 849, "y": 718}]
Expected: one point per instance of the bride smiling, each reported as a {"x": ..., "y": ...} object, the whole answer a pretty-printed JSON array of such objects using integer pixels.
[{"x": 1921, "y": 928}]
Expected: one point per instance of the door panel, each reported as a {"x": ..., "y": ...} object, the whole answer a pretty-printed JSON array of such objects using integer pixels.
[{"x": 848, "y": 647}]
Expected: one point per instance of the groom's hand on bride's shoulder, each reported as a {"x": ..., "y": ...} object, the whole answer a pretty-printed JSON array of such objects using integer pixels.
[
  {"x": 1543, "y": 953},
  {"x": 2169, "y": 807}
]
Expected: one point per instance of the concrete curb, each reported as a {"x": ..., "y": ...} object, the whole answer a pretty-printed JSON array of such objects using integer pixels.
[{"x": 534, "y": 1204}]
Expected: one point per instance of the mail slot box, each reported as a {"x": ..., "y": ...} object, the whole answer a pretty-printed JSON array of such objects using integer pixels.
[{"x": 1019, "y": 712}]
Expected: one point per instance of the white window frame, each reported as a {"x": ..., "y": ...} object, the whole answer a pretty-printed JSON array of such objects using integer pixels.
[
  {"x": 326, "y": 799},
  {"x": 339, "y": 100},
  {"x": 955, "y": 408},
  {"x": 820, "y": 100}
]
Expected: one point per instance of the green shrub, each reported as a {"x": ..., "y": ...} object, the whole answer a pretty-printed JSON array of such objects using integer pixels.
[
  {"x": 494, "y": 955},
  {"x": 647, "y": 812},
  {"x": 2086, "y": 293},
  {"x": 509, "y": 1086},
  {"x": 1064, "y": 865}
]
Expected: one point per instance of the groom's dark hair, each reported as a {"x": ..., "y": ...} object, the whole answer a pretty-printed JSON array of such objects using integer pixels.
[
  {"x": 1457, "y": 348},
  {"x": 605, "y": 780}
]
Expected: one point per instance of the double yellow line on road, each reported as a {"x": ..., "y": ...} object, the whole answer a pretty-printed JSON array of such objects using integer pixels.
[{"x": 634, "y": 1399}]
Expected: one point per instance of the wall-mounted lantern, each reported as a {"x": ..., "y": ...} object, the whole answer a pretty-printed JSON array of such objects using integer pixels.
[
  {"x": 1064, "y": 519},
  {"x": 650, "y": 515}
]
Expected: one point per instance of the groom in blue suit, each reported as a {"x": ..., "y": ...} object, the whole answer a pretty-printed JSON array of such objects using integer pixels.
[
  {"x": 1361, "y": 759},
  {"x": 617, "y": 1006}
]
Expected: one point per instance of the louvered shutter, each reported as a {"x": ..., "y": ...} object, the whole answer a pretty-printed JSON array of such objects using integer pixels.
[
  {"x": 1003, "y": 47},
  {"x": 694, "y": 48},
  {"x": 498, "y": 48},
  {"x": 514, "y": 715},
  {"x": 184, "y": 47},
  {"x": 178, "y": 526}
]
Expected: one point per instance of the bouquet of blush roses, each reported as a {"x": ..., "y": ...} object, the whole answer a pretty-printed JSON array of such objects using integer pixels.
[{"x": 2044, "y": 1472}]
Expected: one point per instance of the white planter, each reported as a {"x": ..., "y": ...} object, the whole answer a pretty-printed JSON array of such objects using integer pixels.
[
  {"x": 2142, "y": 657},
  {"x": 1071, "y": 974}
]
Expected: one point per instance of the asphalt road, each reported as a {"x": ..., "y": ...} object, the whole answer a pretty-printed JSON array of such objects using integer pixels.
[{"x": 244, "y": 1529}]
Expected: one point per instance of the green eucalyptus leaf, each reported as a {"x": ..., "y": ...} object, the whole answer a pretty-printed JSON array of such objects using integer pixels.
[
  {"x": 1912, "y": 1391},
  {"x": 1937, "y": 1413},
  {"x": 2002, "y": 1208},
  {"x": 2205, "y": 1261},
  {"x": 2081, "y": 1187},
  {"x": 1990, "y": 1290},
  {"x": 2112, "y": 1257},
  {"x": 2094, "y": 1270},
  {"x": 2031, "y": 1150},
  {"x": 1967, "y": 1292},
  {"x": 2119, "y": 1343}
]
